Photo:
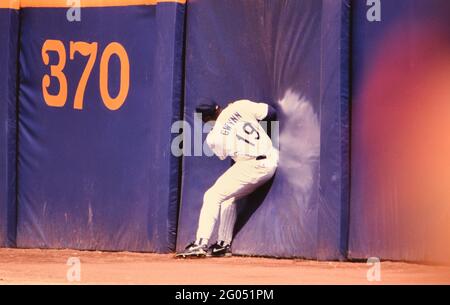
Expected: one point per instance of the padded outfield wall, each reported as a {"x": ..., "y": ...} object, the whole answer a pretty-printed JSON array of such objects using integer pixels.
[
  {"x": 9, "y": 35},
  {"x": 292, "y": 54},
  {"x": 93, "y": 157},
  {"x": 400, "y": 198},
  {"x": 97, "y": 98}
]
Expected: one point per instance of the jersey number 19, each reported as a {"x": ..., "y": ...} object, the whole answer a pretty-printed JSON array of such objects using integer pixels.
[{"x": 251, "y": 132}]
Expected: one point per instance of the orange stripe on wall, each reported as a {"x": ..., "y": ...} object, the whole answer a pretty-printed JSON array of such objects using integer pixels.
[
  {"x": 91, "y": 3},
  {"x": 12, "y": 4}
]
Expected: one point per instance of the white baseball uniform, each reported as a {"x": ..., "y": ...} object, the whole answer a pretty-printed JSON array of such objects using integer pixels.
[{"x": 238, "y": 134}]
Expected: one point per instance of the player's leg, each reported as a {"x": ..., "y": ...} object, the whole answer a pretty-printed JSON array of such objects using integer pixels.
[
  {"x": 226, "y": 226},
  {"x": 228, "y": 213},
  {"x": 220, "y": 192},
  {"x": 262, "y": 171},
  {"x": 227, "y": 220},
  {"x": 238, "y": 181},
  {"x": 234, "y": 182}
]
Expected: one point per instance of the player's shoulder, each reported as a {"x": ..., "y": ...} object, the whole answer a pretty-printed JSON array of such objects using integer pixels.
[
  {"x": 257, "y": 109},
  {"x": 242, "y": 104}
]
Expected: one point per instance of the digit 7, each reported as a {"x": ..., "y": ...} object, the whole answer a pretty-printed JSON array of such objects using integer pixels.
[{"x": 85, "y": 49}]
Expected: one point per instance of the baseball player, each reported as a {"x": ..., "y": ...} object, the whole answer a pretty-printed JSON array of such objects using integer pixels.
[{"x": 236, "y": 133}]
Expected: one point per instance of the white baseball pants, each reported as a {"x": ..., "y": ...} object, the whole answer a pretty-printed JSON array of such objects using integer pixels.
[{"x": 238, "y": 181}]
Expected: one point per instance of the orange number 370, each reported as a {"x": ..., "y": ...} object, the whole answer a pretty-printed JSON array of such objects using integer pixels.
[{"x": 88, "y": 50}]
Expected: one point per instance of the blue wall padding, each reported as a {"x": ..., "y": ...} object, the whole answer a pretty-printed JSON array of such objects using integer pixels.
[
  {"x": 292, "y": 55},
  {"x": 400, "y": 132},
  {"x": 96, "y": 178},
  {"x": 335, "y": 131},
  {"x": 9, "y": 34}
]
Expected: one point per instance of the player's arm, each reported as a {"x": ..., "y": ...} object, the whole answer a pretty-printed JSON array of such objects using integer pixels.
[{"x": 271, "y": 114}]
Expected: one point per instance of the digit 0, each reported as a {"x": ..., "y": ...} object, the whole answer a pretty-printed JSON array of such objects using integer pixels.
[{"x": 117, "y": 49}]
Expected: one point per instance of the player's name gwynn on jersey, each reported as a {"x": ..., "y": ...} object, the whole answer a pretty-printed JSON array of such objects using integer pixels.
[
  {"x": 226, "y": 129},
  {"x": 17, "y": 4}
]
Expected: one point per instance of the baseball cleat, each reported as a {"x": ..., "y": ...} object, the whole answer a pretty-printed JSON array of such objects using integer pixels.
[
  {"x": 193, "y": 250},
  {"x": 219, "y": 249}
]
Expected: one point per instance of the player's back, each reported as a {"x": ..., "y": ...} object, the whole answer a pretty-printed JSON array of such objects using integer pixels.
[{"x": 237, "y": 132}]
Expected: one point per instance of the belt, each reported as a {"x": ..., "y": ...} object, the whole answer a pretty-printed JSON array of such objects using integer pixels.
[{"x": 261, "y": 158}]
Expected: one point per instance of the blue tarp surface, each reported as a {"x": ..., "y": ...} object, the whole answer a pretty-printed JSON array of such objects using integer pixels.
[
  {"x": 9, "y": 34},
  {"x": 293, "y": 55},
  {"x": 98, "y": 178}
]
